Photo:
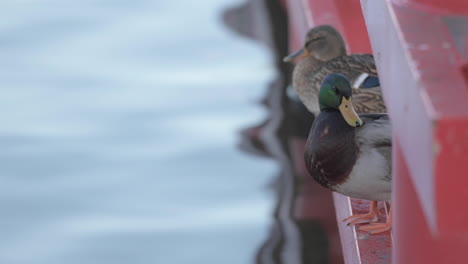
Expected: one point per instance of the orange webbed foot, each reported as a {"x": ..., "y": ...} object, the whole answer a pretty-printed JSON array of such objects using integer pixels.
[
  {"x": 363, "y": 218},
  {"x": 377, "y": 228}
]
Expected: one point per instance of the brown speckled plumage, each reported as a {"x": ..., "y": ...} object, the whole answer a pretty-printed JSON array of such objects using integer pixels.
[
  {"x": 368, "y": 100},
  {"x": 326, "y": 54}
]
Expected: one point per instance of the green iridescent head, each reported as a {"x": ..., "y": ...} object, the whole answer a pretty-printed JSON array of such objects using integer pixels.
[{"x": 336, "y": 94}]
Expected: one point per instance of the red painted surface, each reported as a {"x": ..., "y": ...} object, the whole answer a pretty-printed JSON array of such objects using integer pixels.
[
  {"x": 452, "y": 177},
  {"x": 422, "y": 60},
  {"x": 347, "y": 17},
  {"x": 408, "y": 217},
  {"x": 414, "y": 242},
  {"x": 437, "y": 6},
  {"x": 358, "y": 246}
]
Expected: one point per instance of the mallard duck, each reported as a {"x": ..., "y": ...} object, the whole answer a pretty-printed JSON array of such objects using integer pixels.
[
  {"x": 349, "y": 153},
  {"x": 324, "y": 52}
]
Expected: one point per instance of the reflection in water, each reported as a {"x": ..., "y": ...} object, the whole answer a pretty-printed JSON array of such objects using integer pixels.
[
  {"x": 304, "y": 228},
  {"x": 118, "y": 144}
]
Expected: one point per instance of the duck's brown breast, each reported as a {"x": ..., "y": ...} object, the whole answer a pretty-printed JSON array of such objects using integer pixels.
[{"x": 331, "y": 150}]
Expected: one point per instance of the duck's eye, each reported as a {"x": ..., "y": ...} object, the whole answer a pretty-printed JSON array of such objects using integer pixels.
[
  {"x": 312, "y": 40},
  {"x": 335, "y": 89}
]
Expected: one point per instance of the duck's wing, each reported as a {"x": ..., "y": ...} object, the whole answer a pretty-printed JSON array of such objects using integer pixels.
[
  {"x": 376, "y": 131},
  {"x": 367, "y": 95},
  {"x": 369, "y": 100},
  {"x": 365, "y": 81},
  {"x": 363, "y": 63},
  {"x": 376, "y": 135},
  {"x": 358, "y": 68},
  {"x": 356, "y": 64}
]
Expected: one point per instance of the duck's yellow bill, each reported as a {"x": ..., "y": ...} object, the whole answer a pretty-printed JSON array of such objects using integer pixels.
[
  {"x": 349, "y": 114},
  {"x": 296, "y": 55}
]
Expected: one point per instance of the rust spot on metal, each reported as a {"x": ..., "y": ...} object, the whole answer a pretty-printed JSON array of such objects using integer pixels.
[{"x": 464, "y": 70}]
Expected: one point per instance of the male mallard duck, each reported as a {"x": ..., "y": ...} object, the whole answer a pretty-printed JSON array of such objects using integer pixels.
[
  {"x": 324, "y": 52},
  {"x": 350, "y": 154}
]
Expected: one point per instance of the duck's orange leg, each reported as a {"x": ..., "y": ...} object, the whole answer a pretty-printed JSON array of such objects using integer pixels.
[
  {"x": 363, "y": 218},
  {"x": 377, "y": 228}
]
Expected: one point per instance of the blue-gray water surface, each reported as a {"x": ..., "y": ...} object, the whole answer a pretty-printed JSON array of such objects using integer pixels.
[{"x": 119, "y": 124}]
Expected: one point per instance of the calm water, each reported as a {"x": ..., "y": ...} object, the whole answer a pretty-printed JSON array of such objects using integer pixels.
[{"x": 119, "y": 124}]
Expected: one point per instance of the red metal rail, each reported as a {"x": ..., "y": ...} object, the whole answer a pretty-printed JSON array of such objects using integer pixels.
[{"x": 422, "y": 58}]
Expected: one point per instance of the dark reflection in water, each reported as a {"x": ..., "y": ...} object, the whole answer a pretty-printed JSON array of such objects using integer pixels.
[
  {"x": 304, "y": 228},
  {"x": 119, "y": 123},
  {"x": 118, "y": 129}
]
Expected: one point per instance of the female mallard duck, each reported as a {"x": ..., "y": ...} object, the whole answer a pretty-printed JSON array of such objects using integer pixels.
[
  {"x": 350, "y": 154},
  {"x": 324, "y": 52}
]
